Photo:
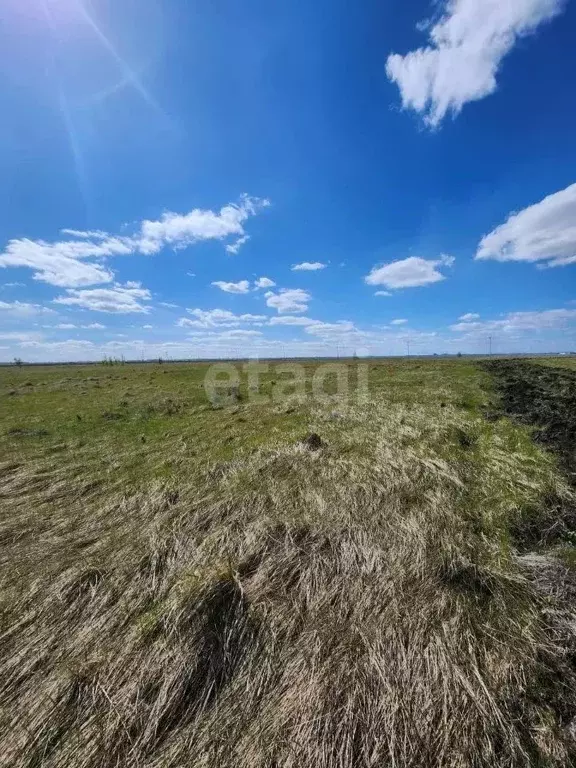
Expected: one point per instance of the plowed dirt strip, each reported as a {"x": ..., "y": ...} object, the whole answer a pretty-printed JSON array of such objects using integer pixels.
[{"x": 544, "y": 397}]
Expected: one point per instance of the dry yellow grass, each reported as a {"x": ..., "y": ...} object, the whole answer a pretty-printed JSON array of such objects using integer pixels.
[{"x": 356, "y": 606}]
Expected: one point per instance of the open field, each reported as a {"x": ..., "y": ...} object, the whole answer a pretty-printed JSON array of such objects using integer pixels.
[
  {"x": 558, "y": 362},
  {"x": 195, "y": 583}
]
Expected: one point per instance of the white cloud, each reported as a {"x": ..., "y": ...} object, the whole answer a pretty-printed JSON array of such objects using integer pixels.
[
  {"x": 467, "y": 46},
  {"x": 168, "y": 305},
  {"x": 147, "y": 327},
  {"x": 22, "y": 309},
  {"x": 400, "y": 321},
  {"x": 409, "y": 273},
  {"x": 120, "y": 299},
  {"x": 240, "y": 334},
  {"x": 214, "y": 318},
  {"x": 288, "y": 300},
  {"x": 185, "y": 322},
  {"x": 291, "y": 320},
  {"x": 544, "y": 232},
  {"x": 93, "y": 234},
  {"x": 557, "y": 333},
  {"x": 550, "y": 319},
  {"x": 61, "y": 263},
  {"x": 19, "y": 337},
  {"x": 59, "y": 345},
  {"x": 333, "y": 331},
  {"x": 308, "y": 266},
  {"x": 241, "y": 287},
  {"x": 181, "y": 231},
  {"x": 233, "y": 248},
  {"x": 469, "y": 316},
  {"x": 65, "y": 263},
  {"x": 71, "y": 326},
  {"x": 383, "y": 293},
  {"x": 264, "y": 282}
]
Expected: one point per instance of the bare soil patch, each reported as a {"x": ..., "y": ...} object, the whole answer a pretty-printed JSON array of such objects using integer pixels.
[{"x": 544, "y": 397}]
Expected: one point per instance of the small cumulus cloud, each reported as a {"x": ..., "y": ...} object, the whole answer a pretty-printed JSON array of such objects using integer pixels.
[
  {"x": 264, "y": 282},
  {"x": 181, "y": 230},
  {"x": 467, "y": 47},
  {"x": 240, "y": 334},
  {"x": 243, "y": 286},
  {"x": 71, "y": 326},
  {"x": 119, "y": 299},
  {"x": 308, "y": 266},
  {"x": 412, "y": 272},
  {"x": 291, "y": 320},
  {"x": 544, "y": 232},
  {"x": 332, "y": 331},
  {"x": 234, "y": 248},
  {"x": 64, "y": 264},
  {"x": 513, "y": 322},
  {"x": 214, "y": 318},
  {"x": 77, "y": 262},
  {"x": 288, "y": 300},
  {"x": 23, "y": 309}
]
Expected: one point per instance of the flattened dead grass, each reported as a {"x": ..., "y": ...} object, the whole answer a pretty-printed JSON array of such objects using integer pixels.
[{"x": 354, "y": 606}]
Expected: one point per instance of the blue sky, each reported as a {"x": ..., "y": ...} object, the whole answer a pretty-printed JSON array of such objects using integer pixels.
[{"x": 194, "y": 179}]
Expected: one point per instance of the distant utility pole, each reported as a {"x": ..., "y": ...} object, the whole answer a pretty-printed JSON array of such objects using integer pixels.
[
  {"x": 337, "y": 352},
  {"x": 490, "y": 346},
  {"x": 408, "y": 346}
]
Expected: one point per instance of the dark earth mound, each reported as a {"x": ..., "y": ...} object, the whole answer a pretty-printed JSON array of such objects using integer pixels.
[{"x": 544, "y": 397}]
